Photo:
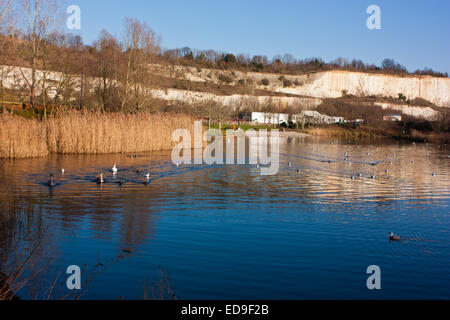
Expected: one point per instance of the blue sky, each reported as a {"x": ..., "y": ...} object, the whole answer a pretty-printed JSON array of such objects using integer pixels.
[{"x": 414, "y": 32}]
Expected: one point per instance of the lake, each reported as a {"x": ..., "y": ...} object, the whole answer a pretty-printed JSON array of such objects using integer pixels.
[{"x": 226, "y": 232}]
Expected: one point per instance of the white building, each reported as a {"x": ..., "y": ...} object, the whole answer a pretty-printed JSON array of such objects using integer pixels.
[
  {"x": 270, "y": 118},
  {"x": 392, "y": 117}
]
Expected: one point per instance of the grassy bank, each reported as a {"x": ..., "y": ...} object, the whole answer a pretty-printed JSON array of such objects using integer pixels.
[
  {"x": 345, "y": 132},
  {"x": 75, "y": 132},
  {"x": 393, "y": 131}
]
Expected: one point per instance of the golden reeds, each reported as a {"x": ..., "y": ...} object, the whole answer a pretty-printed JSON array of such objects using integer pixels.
[
  {"x": 88, "y": 132},
  {"x": 333, "y": 132}
]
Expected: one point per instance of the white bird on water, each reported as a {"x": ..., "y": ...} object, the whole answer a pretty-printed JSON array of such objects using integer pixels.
[
  {"x": 147, "y": 175},
  {"x": 114, "y": 168}
]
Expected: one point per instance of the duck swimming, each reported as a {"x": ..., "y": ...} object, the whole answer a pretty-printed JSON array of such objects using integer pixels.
[
  {"x": 393, "y": 237},
  {"x": 100, "y": 179},
  {"x": 51, "y": 182}
]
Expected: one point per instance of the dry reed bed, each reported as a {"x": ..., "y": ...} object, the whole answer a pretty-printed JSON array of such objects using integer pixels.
[
  {"x": 332, "y": 132},
  {"x": 75, "y": 132}
]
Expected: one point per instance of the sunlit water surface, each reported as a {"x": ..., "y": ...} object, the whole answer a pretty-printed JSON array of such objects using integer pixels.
[{"x": 226, "y": 232}]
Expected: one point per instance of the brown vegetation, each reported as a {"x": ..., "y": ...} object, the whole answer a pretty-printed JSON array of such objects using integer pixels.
[{"x": 88, "y": 132}]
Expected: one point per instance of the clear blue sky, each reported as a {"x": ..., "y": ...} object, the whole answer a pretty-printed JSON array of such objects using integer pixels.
[{"x": 415, "y": 33}]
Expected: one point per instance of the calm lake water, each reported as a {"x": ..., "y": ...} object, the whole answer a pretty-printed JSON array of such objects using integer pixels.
[{"x": 226, "y": 232}]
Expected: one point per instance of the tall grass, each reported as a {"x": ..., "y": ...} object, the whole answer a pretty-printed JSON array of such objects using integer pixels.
[
  {"x": 330, "y": 132},
  {"x": 88, "y": 132}
]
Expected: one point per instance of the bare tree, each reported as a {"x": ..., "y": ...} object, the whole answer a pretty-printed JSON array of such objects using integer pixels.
[
  {"x": 139, "y": 45},
  {"x": 107, "y": 53},
  {"x": 39, "y": 20},
  {"x": 6, "y": 26}
]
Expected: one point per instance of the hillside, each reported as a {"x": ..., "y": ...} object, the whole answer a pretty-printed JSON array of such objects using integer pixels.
[{"x": 256, "y": 90}]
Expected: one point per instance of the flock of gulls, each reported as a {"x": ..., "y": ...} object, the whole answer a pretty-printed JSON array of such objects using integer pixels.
[
  {"x": 348, "y": 160},
  {"x": 100, "y": 178},
  {"x": 392, "y": 237}
]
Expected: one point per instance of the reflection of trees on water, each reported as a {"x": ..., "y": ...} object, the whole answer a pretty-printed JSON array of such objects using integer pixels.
[
  {"x": 27, "y": 221},
  {"x": 126, "y": 215},
  {"x": 22, "y": 240}
]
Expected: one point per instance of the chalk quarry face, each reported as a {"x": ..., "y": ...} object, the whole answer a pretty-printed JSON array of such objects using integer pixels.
[
  {"x": 309, "y": 89},
  {"x": 331, "y": 84}
]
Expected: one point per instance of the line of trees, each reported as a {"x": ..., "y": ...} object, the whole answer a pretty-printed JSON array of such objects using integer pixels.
[{"x": 283, "y": 63}]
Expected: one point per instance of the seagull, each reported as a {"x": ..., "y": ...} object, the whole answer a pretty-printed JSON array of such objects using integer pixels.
[{"x": 114, "y": 168}]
